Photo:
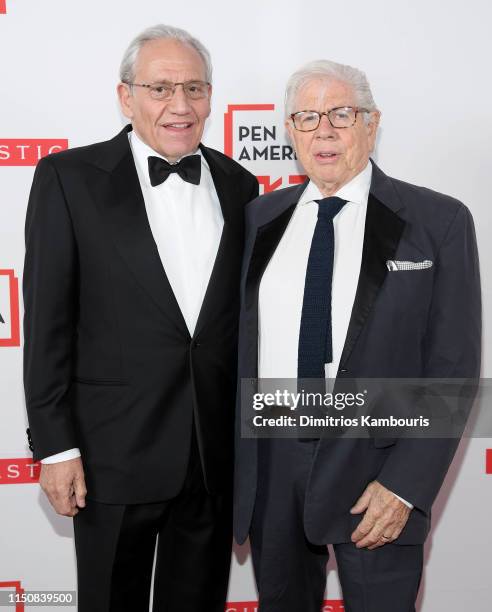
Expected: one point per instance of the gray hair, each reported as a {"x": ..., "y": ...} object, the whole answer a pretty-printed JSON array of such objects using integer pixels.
[
  {"x": 158, "y": 32},
  {"x": 331, "y": 71}
]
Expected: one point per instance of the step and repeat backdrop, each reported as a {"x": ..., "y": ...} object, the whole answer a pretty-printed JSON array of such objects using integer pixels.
[{"x": 429, "y": 66}]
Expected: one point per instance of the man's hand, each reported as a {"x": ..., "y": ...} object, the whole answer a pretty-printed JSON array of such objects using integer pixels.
[
  {"x": 64, "y": 484},
  {"x": 384, "y": 519}
]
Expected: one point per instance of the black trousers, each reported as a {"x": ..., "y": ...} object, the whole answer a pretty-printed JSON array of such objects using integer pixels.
[
  {"x": 115, "y": 546},
  {"x": 291, "y": 572}
]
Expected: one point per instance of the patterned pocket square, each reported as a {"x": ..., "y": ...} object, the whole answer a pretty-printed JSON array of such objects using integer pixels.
[{"x": 395, "y": 266}]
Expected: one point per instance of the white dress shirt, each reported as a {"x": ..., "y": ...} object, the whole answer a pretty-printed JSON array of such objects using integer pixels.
[
  {"x": 186, "y": 222},
  {"x": 282, "y": 286}
]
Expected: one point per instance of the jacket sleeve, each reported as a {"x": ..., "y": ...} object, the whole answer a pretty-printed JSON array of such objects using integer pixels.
[
  {"x": 50, "y": 310},
  {"x": 416, "y": 468}
]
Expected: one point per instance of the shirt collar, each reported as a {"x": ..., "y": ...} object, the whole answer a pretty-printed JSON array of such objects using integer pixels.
[
  {"x": 356, "y": 190},
  {"x": 141, "y": 152}
]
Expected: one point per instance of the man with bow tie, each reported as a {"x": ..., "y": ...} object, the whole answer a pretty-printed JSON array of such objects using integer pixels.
[
  {"x": 131, "y": 290},
  {"x": 353, "y": 274}
]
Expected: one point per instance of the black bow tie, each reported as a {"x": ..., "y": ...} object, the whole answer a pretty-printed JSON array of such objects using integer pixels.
[{"x": 188, "y": 168}]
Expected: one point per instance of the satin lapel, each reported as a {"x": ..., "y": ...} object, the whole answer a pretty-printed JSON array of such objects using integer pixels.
[
  {"x": 230, "y": 245},
  {"x": 267, "y": 238},
  {"x": 382, "y": 234},
  {"x": 124, "y": 209},
  {"x": 224, "y": 184}
]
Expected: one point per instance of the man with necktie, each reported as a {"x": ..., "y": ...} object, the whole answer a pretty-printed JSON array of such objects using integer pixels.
[
  {"x": 131, "y": 290},
  {"x": 352, "y": 274}
]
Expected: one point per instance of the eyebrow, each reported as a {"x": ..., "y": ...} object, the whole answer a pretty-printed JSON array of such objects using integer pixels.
[{"x": 165, "y": 81}]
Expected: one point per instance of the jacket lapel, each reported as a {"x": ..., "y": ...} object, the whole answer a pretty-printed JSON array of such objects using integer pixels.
[
  {"x": 230, "y": 245},
  {"x": 267, "y": 238},
  {"x": 382, "y": 234},
  {"x": 121, "y": 202}
]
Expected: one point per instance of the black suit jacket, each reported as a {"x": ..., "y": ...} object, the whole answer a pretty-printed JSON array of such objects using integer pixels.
[
  {"x": 109, "y": 364},
  {"x": 411, "y": 324}
]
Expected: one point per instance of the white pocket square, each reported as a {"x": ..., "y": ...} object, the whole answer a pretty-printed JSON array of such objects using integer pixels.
[{"x": 395, "y": 266}]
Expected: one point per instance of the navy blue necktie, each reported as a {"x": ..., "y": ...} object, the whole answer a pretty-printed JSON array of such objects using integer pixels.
[{"x": 315, "y": 342}]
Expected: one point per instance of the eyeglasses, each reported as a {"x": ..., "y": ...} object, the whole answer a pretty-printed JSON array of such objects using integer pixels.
[
  {"x": 194, "y": 90},
  {"x": 340, "y": 117}
]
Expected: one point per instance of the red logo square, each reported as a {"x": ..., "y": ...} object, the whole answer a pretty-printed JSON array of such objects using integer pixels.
[
  {"x": 251, "y": 129},
  {"x": 9, "y": 309},
  {"x": 488, "y": 461}
]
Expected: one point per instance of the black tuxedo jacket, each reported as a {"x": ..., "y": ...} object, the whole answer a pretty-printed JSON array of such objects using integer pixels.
[
  {"x": 407, "y": 324},
  {"x": 109, "y": 364}
]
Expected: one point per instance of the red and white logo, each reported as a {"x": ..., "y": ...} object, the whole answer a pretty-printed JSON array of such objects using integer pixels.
[
  {"x": 14, "y": 587},
  {"x": 488, "y": 461},
  {"x": 9, "y": 309},
  {"x": 28, "y": 151},
  {"x": 254, "y": 135},
  {"x": 241, "y": 606},
  {"x": 22, "y": 470},
  {"x": 3, "y": 7},
  {"x": 333, "y": 605},
  {"x": 330, "y": 605}
]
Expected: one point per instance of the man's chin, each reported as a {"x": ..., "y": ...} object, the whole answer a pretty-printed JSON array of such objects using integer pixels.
[
  {"x": 329, "y": 177},
  {"x": 173, "y": 153}
]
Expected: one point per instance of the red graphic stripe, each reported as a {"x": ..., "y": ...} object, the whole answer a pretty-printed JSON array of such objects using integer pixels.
[
  {"x": 268, "y": 185},
  {"x": 22, "y": 470},
  {"x": 3, "y": 7},
  {"x": 297, "y": 179},
  {"x": 28, "y": 151},
  {"x": 14, "y": 339},
  {"x": 330, "y": 605},
  {"x": 488, "y": 461},
  {"x": 14, "y": 584}
]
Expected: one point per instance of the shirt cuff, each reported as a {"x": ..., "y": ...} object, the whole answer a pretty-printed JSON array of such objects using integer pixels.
[
  {"x": 408, "y": 504},
  {"x": 71, "y": 453}
]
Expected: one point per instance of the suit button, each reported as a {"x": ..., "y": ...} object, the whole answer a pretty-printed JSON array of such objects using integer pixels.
[
  {"x": 195, "y": 344},
  {"x": 343, "y": 371}
]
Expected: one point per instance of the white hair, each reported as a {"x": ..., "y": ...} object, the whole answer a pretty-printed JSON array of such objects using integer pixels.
[
  {"x": 330, "y": 71},
  {"x": 158, "y": 32}
]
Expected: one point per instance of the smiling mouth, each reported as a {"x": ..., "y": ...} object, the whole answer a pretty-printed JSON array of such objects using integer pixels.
[{"x": 177, "y": 126}]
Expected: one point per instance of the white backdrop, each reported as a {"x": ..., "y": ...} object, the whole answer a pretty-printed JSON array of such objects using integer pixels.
[{"x": 429, "y": 66}]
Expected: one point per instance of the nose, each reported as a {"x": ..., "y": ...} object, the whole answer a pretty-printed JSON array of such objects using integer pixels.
[
  {"x": 179, "y": 103},
  {"x": 325, "y": 129}
]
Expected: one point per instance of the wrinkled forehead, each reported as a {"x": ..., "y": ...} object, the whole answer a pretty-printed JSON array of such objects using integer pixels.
[
  {"x": 321, "y": 93},
  {"x": 169, "y": 58}
]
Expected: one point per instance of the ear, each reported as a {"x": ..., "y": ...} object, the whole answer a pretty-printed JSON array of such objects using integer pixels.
[
  {"x": 372, "y": 128},
  {"x": 125, "y": 97},
  {"x": 209, "y": 100},
  {"x": 290, "y": 128}
]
